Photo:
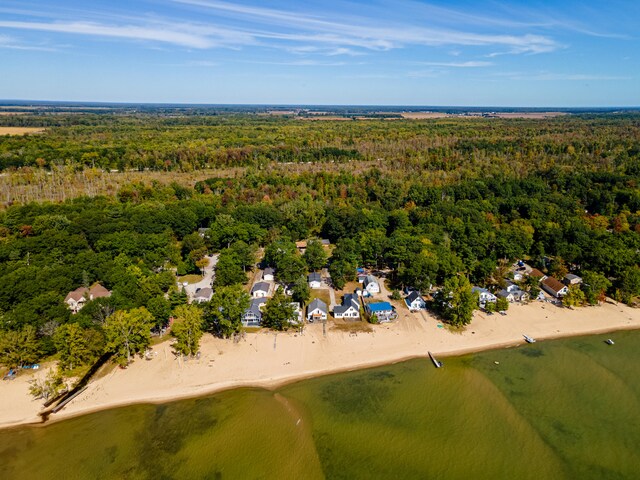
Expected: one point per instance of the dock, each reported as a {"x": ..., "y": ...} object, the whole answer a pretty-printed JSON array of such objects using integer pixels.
[{"x": 435, "y": 362}]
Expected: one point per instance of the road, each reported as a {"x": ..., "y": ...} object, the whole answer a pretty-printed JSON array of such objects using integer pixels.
[{"x": 207, "y": 278}]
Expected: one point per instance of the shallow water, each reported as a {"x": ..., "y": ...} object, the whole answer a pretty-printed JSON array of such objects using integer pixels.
[{"x": 558, "y": 409}]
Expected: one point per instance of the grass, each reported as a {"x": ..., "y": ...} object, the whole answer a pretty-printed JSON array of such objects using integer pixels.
[
  {"x": 322, "y": 294},
  {"x": 351, "y": 326},
  {"x": 20, "y": 130},
  {"x": 190, "y": 279}
]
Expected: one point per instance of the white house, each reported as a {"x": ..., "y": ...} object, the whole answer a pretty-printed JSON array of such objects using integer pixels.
[
  {"x": 203, "y": 295},
  {"x": 252, "y": 316},
  {"x": 350, "y": 307},
  {"x": 415, "y": 301},
  {"x": 371, "y": 284},
  {"x": 317, "y": 311},
  {"x": 268, "y": 274},
  {"x": 571, "y": 279},
  {"x": 260, "y": 290},
  {"x": 484, "y": 296},
  {"x": 315, "y": 280},
  {"x": 76, "y": 299},
  {"x": 554, "y": 287}
]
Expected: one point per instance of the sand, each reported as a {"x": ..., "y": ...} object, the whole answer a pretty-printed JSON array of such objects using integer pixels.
[{"x": 266, "y": 359}]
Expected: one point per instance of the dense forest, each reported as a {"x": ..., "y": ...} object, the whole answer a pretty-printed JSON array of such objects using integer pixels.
[{"x": 445, "y": 197}]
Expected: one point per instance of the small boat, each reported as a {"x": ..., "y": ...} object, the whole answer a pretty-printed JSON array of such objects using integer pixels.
[
  {"x": 608, "y": 341},
  {"x": 528, "y": 339},
  {"x": 435, "y": 362}
]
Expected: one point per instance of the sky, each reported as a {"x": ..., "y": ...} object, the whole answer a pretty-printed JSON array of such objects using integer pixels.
[{"x": 569, "y": 53}]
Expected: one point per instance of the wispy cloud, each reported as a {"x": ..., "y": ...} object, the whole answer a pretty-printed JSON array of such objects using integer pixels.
[
  {"x": 10, "y": 43},
  {"x": 470, "y": 64},
  {"x": 555, "y": 76}
]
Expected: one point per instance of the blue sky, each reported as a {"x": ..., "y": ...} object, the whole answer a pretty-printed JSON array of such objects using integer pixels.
[{"x": 388, "y": 52}]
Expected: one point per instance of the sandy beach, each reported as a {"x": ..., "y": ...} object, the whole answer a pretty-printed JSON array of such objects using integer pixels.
[{"x": 268, "y": 359}]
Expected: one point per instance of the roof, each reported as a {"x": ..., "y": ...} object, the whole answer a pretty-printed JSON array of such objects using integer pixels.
[
  {"x": 536, "y": 273},
  {"x": 380, "y": 307},
  {"x": 301, "y": 244},
  {"x": 264, "y": 286},
  {"x": 571, "y": 277},
  {"x": 370, "y": 279},
  {"x": 314, "y": 277},
  {"x": 413, "y": 296},
  {"x": 96, "y": 291},
  {"x": 317, "y": 304},
  {"x": 325, "y": 242},
  {"x": 204, "y": 293},
  {"x": 480, "y": 290},
  {"x": 553, "y": 284},
  {"x": 349, "y": 300},
  {"x": 269, "y": 271}
]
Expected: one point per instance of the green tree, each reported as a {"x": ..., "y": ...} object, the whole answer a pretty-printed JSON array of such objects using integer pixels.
[
  {"x": 229, "y": 270},
  {"x": 315, "y": 256},
  {"x": 245, "y": 254},
  {"x": 289, "y": 268},
  {"x": 490, "y": 307},
  {"x": 223, "y": 314},
  {"x": 456, "y": 302},
  {"x": 160, "y": 308},
  {"x": 594, "y": 285},
  {"x": 177, "y": 297},
  {"x": 77, "y": 346},
  {"x": 46, "y": 387},
  {"x": 301, "y": 291},
  {"x": 187, "y": 329},
  {"x": 278, "y": 314},
  {"x": 575, "y": 297},
  {"x": 128, "y": 332},
  {"x": 19, "y": 347},
  {"x": 502, "y": 304}
]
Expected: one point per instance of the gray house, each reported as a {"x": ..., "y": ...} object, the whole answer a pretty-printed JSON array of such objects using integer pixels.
[
  {"x": 317, "y": 311},
  {"x": 203, "y": 295},
  {"x": 260, "y": 290},
  {"x": 315, "y": 280},
  {"x": 252, "y": 316},
  {"x": 350, "y": 307}
]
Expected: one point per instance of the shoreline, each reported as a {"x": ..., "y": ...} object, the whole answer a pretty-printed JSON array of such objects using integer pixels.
[{"x": 166, "y": 378}]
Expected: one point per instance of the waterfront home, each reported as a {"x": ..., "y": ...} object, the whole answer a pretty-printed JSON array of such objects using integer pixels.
[
  {"x": 513, "y": 295},
  {"x": 317, "y": 311},
  {"x": 554, "y": 287},
  {"x": 260, "y": 290},
  {"x": 315, "y": 280},
  {"x": 383, "y": 311},
  {"x": 484, "y": 296},
  {"x": 571, "y": 279},
  {"x": 252, "y": 316},
  {"x": 349, "y": 309},
  {"x": 415, "y": 301},
  {"x": 371, "y": 285},
  {"x": 268, "y": 274},
  {"x": 76, "y": 299},
  {"x": 203, "y": 295}
]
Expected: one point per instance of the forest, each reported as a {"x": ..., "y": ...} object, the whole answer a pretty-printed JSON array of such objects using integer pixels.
[{"x": 429, "y": 200}]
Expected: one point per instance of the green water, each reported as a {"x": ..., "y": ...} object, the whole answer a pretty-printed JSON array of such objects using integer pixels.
[{"x": 558, "y": 409}]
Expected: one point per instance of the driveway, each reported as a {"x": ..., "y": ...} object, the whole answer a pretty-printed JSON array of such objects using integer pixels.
[{"x": 207, "y": 278}]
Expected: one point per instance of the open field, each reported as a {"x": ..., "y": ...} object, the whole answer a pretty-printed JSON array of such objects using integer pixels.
[{"x": 20, "y": 130}]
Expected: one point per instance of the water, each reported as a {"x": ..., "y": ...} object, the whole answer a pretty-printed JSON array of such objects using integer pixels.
[{"x": 558, "y": 409}]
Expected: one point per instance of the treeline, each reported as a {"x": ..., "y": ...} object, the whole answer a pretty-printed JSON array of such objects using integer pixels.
[{"x": 187, "y": 142}]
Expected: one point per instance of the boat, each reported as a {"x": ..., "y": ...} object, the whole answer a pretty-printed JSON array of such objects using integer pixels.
[
  {"x": 435, "y": 362},
  {"x": 528, "y": 339},
  {"x": 608, "y": 341}
]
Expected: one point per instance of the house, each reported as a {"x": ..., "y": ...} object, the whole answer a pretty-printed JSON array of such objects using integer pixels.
[
  {"x": 350, "y": 307},
  {"x": 76, "y": 299},
  {"x": 315, "y": 280},
  {"x": 535, "y": 273},
  {"x": 260, "y": 290},
  {"x": 383, "y": 311},
  {"x": 268, "y": 274},
  {"x": 203, "y": 295},
  {"x": 371, "y": 284},
  {"x": 252, "y": 316},
  {"x": 554, "y": 287},
  {"x": 415, "y": 301},
  {"x": 484, "y": 296},
  {"x": 514, "y": 295},
  {"x": 297, "y": 314},
  {"x": 317, "y": 311},
  {"x": 571, "y": 279},
  {"x": 301, "y": 246},
  {"x": 204, "y": 232},
  {"x": 325, "y": 242}
]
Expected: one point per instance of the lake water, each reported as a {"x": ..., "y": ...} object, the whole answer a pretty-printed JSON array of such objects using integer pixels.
[{"x": 553, "y": 410}]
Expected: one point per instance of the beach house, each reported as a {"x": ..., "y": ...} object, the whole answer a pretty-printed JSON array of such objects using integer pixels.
[
  {"x": 554, "y": 287},
  {"x": 350, "y": 308},
  {"x": 76, "y": 299},
  {"x": 203, "y": 295},
  {"x": 383, "y": 311},
  {"x": 252, "y": 316},
  {"x": 415, "y": 301},
  {"x": 317, "y": 311},
  {"x": 571, "y": 279},
  {"x": 484, "y": 296}
]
